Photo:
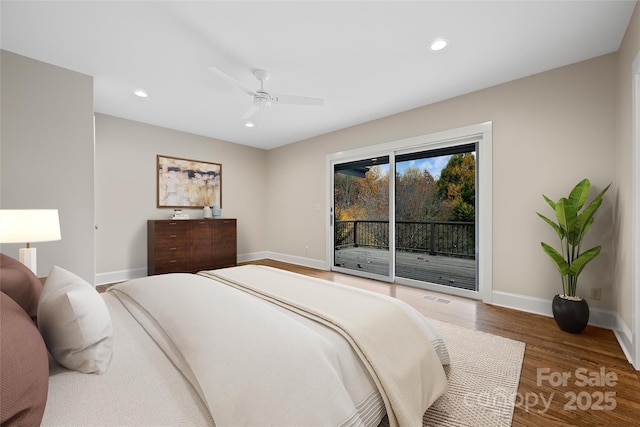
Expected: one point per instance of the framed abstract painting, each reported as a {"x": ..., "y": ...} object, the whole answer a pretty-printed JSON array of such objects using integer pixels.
[{"x": 185, "y": 183}]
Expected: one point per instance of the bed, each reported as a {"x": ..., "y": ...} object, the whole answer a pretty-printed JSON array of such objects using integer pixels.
[{"x": 249, "y": 345}]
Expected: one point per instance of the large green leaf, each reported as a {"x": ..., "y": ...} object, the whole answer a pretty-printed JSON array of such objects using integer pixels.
[
  {"x": 561, "y": 264},
  {"x": 586, "y": 227},
  {"x": 579, "y": 194},
  {"x": 567, "y": 214},
  {"x": 581, "y": 261},
  {"x": 550, "y": 202},
  {"x": 553, "y": 225},
  {"x": 585, "y": 219}
]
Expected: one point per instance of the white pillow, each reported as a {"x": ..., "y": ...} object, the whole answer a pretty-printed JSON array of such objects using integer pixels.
[{"x": 75, "y": 323}]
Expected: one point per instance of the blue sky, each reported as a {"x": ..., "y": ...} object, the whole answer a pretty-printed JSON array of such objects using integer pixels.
[{"x": 433, "y": 164}]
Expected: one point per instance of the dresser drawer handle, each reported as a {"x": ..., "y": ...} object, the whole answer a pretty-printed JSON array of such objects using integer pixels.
[
  {"x": 173, "y": 236},
  {"x": 172, "y": 249},
  {"x": 174, "y": 260},
  {"x": 172, "y": 223}
]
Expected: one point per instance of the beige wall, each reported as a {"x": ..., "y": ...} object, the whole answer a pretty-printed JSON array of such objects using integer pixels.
[
  {"x": 47, "y": 156},
  {"x": 126, "y": 186},
  {"x": 623, "y": 266},
  {"x": 580, "y": 112},
  {"x": 549, "y": 131}
]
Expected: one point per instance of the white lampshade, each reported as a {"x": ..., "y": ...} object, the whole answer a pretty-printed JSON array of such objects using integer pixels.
[{"x": 29, "y": 226}]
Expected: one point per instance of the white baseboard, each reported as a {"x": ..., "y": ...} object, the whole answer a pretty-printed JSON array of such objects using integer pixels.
[
  {"x": 607, "y": 319},
  {"x": 625, "y": 338},
  {"x": 597, "y": 316},
  {"x": 119, "y": 276},
  {"x": 292, "y": 259},
  {"x": 254, "y": 256},
  {"x": 109, "y": 277}
]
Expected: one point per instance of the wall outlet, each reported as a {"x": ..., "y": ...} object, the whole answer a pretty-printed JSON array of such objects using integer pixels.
[{"x": 595, "y": 293}]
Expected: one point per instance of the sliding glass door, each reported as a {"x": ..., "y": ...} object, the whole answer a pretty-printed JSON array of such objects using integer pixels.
[
  {"x": 409, "y": 212},
  {"x": 435, "y": 216},
  {"x": 361, "y": 217}
]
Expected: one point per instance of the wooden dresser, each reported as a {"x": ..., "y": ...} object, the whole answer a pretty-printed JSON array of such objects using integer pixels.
[{"x": 190, "y": 245}]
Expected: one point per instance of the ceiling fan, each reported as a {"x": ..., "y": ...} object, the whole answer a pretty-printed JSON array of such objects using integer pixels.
[{"x": 262, "y": 98}]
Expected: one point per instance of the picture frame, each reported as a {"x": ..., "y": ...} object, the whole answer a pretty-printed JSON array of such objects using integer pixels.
[{"x": 186, "y": 183}]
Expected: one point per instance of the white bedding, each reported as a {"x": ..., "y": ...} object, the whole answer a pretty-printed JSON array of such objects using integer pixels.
[
  {"x": 317, "y": 380},
  {"x": 390, "y": 338},
  {"x": 140, "y": 388}
]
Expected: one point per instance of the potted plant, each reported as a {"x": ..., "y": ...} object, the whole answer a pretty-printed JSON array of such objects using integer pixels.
[{"x": 574, "y": 219}]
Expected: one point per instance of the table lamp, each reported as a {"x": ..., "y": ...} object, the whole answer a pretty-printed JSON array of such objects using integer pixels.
[{"x": 29, "y": 226}]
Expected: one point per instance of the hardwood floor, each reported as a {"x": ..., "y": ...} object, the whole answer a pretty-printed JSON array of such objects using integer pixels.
[{"x": 566, "y": 379}]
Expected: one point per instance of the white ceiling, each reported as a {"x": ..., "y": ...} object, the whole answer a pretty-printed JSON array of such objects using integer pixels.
[{"x": 366, "y": 59}]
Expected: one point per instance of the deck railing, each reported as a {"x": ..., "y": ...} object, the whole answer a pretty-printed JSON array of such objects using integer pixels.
[{"x": 450, "y": 238}]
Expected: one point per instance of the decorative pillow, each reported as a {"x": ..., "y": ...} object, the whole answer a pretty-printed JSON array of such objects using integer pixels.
[
  {"x": 75, "y": 323},
  {"x": 19, "y": 282},
  {"x": 24, "y": 370}
]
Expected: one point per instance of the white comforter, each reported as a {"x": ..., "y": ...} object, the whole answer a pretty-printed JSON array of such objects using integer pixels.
[{"x": 256, "y": 363}]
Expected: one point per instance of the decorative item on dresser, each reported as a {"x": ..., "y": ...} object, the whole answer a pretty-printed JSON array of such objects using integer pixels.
[{"x": 175, "y": 246}]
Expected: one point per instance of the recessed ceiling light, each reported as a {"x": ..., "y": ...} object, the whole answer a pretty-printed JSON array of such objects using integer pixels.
[
  {"x": 249, "y": 124},
  {"x": 438, "y": 44},
  {"x": 141, "y": 93}
]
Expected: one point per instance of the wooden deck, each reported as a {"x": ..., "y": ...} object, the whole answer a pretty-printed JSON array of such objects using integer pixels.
[{"x": 443, "y": 270}]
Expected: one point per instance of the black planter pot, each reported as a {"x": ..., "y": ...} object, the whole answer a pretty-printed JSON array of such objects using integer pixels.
[{"x": 571, "y": 316}]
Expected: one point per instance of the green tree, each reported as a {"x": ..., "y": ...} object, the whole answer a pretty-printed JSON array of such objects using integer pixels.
[
  {"x": 344, "y": 193},
  {"x": 416, "y": 196},
  {"x": 362, "y": 198},
  {"x": 373, "y": 194},
  {"x": 457, "y": 187}
]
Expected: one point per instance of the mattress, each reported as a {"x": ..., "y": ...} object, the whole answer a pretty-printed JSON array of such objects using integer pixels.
[
  {"x": 141, "y": 386},
  {"x": 176, "y": 338}
]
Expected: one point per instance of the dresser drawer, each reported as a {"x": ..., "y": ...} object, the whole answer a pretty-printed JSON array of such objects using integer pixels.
[
  {"x": 171, "y": 233},
  {"x": 169, "y": 253},
  {"x": 171, "y": 266}
]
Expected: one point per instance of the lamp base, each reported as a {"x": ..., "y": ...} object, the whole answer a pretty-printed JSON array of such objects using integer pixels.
[{"x": 28, "y": 258}]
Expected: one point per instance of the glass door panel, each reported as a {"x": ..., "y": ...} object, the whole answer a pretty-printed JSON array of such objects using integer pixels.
[
  {"x": 435, "y": 216},
  {"x": 361, "y": 217}
]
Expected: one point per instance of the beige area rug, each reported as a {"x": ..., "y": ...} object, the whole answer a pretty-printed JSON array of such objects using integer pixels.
[{"x": 483, "y": 379}]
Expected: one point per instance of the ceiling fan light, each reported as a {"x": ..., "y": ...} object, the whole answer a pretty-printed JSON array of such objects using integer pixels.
[
  {"x": 438, "y": 45},
  {"x": 141, "y": 93}
]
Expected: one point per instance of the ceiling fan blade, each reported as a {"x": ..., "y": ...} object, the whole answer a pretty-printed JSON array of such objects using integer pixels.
[
  {"x": 233, "y": 81},
  {"x": 250, "y": 112},
  {"x": 298, "y": 100}
]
